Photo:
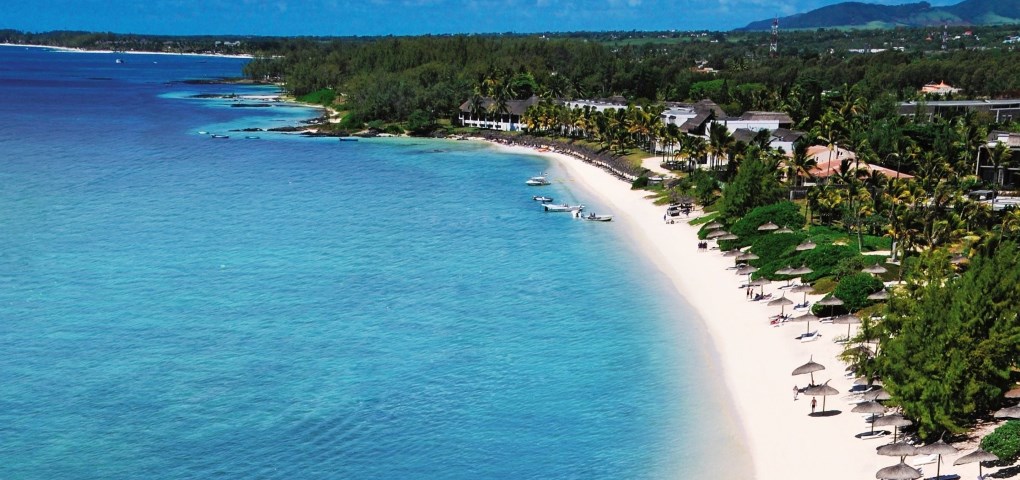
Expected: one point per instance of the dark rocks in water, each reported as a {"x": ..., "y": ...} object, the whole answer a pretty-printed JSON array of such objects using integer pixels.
[
  {"x": 251, "y": 105},
  {"x": 249, "y": 129},
  {"x": 214, "y": 95},
  {"x": 221, "y": 81},
  {"x": 286, "y": 129}
]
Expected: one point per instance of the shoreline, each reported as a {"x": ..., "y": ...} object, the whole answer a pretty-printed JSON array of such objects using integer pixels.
[
  {"x": 130, "y": 52},
  {"x": 754, "y": 358}
]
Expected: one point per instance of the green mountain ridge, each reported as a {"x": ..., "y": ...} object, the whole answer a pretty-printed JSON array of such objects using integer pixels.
[{"x": 869, "y": 15}]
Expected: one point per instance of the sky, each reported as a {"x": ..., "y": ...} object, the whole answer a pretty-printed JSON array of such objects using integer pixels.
[{"x": 393, "y": 17}]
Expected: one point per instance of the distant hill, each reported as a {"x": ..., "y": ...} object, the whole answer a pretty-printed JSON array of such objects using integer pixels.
[{"x": 869, "y": 15}]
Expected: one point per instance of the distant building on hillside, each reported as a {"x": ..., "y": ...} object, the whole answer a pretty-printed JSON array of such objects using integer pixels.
[
  {"x": 941, "y": 88},
  {"x": 487, "y": 115},
  {"x": 1001, "y": 110}
]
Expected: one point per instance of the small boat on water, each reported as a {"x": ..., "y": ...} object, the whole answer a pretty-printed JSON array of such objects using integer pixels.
[
  {"x": 203, "y": 132},
  {"x": 537, "y": 181},
  {"x": 120, "y": 61},
  {"x": 220, "y": 136},
  {"x": 562, "y": 208},
  {"x": 539, "y": 198},
  {"x": 591, "y": 217},
  {"x": 251, "y": 137},
  {"x": 347, "y": 139}
]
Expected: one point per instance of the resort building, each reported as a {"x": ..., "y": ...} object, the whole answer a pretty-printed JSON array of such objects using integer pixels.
[
  {"x": 598, "y": 105},
  {"x": 829, "y": 162},
  {"x": 941, "y": 88},
  {"x": 1006, "y": 174},
  {"x": 756, "y": 121},
  {"x": 1000, "y": 110},
  {"x": 487, "y": 114},
  {"x": 692, "y": 118},
  {"x": 780, "y": 138}
]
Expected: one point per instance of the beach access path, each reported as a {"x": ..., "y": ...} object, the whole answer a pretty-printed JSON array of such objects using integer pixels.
[{"x": 757, "y": 360}]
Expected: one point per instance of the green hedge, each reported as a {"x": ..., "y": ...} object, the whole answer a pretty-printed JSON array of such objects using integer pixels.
[{"x": 1004, "y": 442}]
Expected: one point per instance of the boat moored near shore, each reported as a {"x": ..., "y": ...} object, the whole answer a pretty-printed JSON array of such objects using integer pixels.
[
  {"x": 537, "y": 181},
  {"x": 563, "y": 208}
]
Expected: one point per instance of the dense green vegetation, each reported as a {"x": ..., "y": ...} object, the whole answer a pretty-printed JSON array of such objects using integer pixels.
[{"x": 1004, "y": 442}]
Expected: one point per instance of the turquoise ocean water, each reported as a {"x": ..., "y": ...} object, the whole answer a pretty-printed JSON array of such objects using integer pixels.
[{"x": 180, "y": 307}]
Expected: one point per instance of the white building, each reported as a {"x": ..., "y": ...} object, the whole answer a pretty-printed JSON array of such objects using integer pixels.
[{"x": 598, "y": 105}]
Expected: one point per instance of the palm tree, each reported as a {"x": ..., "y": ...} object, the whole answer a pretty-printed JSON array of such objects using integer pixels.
[
  {"x": 801, "y": 164},
  {"x": 1000, "y": 157},
  {"x": 720, "y": 142}
]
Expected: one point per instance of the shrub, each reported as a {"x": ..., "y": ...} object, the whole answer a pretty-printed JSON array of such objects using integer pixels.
[
  {"x": 823, "y": 260},
  {"x": 352, "y": 121},
  {"x": 784, "y": 214},
  {"x": 853, "y": 290},
  {"x": 639, "y": 183},
  {"x": 1004, "y": 442}
]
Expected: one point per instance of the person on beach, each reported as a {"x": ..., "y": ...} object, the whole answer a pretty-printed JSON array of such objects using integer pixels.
[
  {"x": 814, "y": 402},
  {"x": 796, "y": 391}
]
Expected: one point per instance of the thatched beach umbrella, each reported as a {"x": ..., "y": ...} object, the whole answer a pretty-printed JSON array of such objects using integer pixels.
[
  {"x": 713, "y": 226},
  {"x": 807, "y": 318},
  {"x": 808, "y": 245},
  {"x": 767, "y": 227},
  {"x": 716, "y": 234},
  {"x": 877, "y": 395},
  {"x": 874, "y": 408},
  {"x": 783, "y": 230},
  {"x": 784, "y": 271},
  {"x": 895, "y": 420},
  {"x": 830, "y": 301},
  {"x": 728, "y": 236},
  {"x": 803, "y": 288},
  {"x": 732, "y": 253},
  {"x": 847, "y": 320},
  {"x": 957, "y": 259},
  {"x": 898, "y": 449},
  {"x": 782, "y": 302},
  {"x": 976, "y": 456},
  {"x": 746, "y": 270},
  {"x": 1009, "y": 412},
  {"x": 882, "y": 294},
  {"x": 939, "y": 448},
  {"x": 862, "y": 351},
  {"x": 810, "y": 367},
  {"x": 900, "y": 471},
  {"x": 747, "y": 256},
  {"x": 823, "y": 390},
  {"x": 874, "y": 269},
  {"x": 801, "y": 270},
  {"x": 1014, "y": 393}
]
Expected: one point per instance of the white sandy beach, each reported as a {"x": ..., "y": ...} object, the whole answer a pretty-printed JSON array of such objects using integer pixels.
[
  {"x": 757, "y": 359},
  {"x": 82, "y": 50}
]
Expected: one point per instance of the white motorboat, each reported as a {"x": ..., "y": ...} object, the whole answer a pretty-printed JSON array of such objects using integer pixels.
[
  {"x": 539, "y": 198},
  {"x": 563, "y": 208},
  {"x": 537, "y": 181},
  {"x": 592, "y": 217}
]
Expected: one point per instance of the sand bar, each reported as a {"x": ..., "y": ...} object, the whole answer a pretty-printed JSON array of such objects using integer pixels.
[{"x": 757, "y": 359}]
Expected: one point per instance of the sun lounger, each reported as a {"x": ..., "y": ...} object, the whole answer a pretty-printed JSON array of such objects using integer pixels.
[
  {"x": 873, "y": 435},
  {"x": 809, "y": 337},
  {"x": 923, "y": 460}
]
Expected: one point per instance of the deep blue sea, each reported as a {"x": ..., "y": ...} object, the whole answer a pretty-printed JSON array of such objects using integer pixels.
[{"x": 174, "y": 306}]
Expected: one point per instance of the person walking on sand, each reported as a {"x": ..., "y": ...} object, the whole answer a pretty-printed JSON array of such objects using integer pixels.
[
  {"x": 814, "y": 402},
  {"x": 795, "y": 392}
]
